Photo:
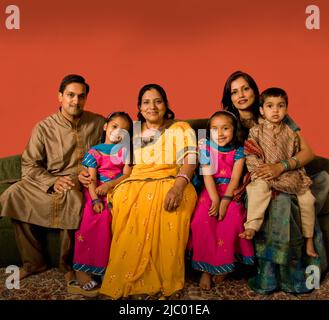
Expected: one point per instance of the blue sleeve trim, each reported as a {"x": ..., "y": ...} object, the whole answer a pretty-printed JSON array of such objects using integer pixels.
[
  {"x": 89, "y": 161},
  {"x": 239, "y": 154}
]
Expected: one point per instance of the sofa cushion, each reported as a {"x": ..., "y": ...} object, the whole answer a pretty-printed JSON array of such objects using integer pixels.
[
  {"x": 197, "y": 124},
  {"x": 316, "y": 165}
]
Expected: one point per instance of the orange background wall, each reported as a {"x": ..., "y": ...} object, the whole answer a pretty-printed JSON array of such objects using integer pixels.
[{"x": 188, "y": 46}]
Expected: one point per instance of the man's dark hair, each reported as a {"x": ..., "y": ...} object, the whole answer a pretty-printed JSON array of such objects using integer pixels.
[{"x": 73, "y": 78}]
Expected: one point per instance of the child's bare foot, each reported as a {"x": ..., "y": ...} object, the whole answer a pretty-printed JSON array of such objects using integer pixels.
[
  {"x": 310, "y": 251},
  {"x": 205, "y": 281},
  {"x": 70, "y": 275},
  {"x": 219, "y": 278},
  {"x": 83, "y": 277},
  {"x": 247, "y": 234}
]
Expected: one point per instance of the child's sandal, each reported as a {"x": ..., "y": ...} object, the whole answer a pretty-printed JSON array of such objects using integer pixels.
[
  {"x": 90, "y": 285},
  {"x": 90, "y": 291}
]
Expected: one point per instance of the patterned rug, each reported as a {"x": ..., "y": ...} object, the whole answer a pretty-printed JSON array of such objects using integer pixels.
[{"x": 50, "y": 285}]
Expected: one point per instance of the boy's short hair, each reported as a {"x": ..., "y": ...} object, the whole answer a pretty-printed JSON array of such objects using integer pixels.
[{"x": 273, "y": 92}]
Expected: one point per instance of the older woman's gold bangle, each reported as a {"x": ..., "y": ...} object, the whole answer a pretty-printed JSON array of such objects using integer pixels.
[{"x": 185, "y": 176}]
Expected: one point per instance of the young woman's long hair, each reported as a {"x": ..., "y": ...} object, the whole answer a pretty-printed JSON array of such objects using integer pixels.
[
  {"x": 227, "y": 103},
  {"x": 227, "y": 100}
]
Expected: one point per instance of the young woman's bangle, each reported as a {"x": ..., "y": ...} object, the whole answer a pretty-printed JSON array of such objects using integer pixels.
[
  {"x": 285, "y": 164},
  {"x": 94, "y": 201},
  {"x": 185, "y": 176},
  {"x": 298, "y": 165},
  {"x": 227, "y": 197}
]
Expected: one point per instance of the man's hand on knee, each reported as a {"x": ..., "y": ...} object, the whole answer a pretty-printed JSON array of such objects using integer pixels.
[{"x": 63, "y": 184}]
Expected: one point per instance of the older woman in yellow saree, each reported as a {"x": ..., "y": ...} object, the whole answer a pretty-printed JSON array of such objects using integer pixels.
[{"x": 153, "y": 207}]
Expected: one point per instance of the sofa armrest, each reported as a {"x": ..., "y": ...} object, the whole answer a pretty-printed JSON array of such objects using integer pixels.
[
  {"x": 317, "y": 164},
  {"x": 10, "y": 171}
]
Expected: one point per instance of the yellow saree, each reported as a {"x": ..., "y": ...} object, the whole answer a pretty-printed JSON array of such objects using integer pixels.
[{"x": 148, "y": 244}]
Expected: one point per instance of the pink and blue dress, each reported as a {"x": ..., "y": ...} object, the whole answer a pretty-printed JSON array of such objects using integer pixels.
[
  {"x": 93, "y": 238},
  {"x": 216, "y": 245}
]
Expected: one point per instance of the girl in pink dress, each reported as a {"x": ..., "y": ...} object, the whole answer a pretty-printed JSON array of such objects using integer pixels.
[
  {"x": 108, "y": 164},
  {"x": 218, "y": 219}
]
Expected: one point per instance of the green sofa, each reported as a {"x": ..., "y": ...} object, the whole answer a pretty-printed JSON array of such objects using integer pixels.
[{"x": 10, "y": 172}]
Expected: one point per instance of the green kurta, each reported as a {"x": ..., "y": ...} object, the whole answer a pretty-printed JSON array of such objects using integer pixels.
[{"x": 56, "y": 148}]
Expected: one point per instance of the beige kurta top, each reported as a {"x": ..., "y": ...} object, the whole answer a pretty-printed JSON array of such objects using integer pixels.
[
  {"x": 278, "y": 143},
  {"x": 56, "y": 148}
]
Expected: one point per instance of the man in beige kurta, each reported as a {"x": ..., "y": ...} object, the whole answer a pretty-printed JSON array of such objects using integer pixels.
[{"x": 51, "y": 161}]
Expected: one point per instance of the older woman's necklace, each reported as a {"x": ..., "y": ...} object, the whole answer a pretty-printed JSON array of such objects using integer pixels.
[
  {"x": 156, "y": 129},
  {"x": 150, "y": 135}
]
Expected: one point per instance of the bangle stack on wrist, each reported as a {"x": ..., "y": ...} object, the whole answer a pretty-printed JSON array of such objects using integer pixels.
[
  {"x": 285, "y": 164},
  {"x": 298, "y": 165},
  {"x": 227, "y": 197},
  {"x": 185, "y": 176}
]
